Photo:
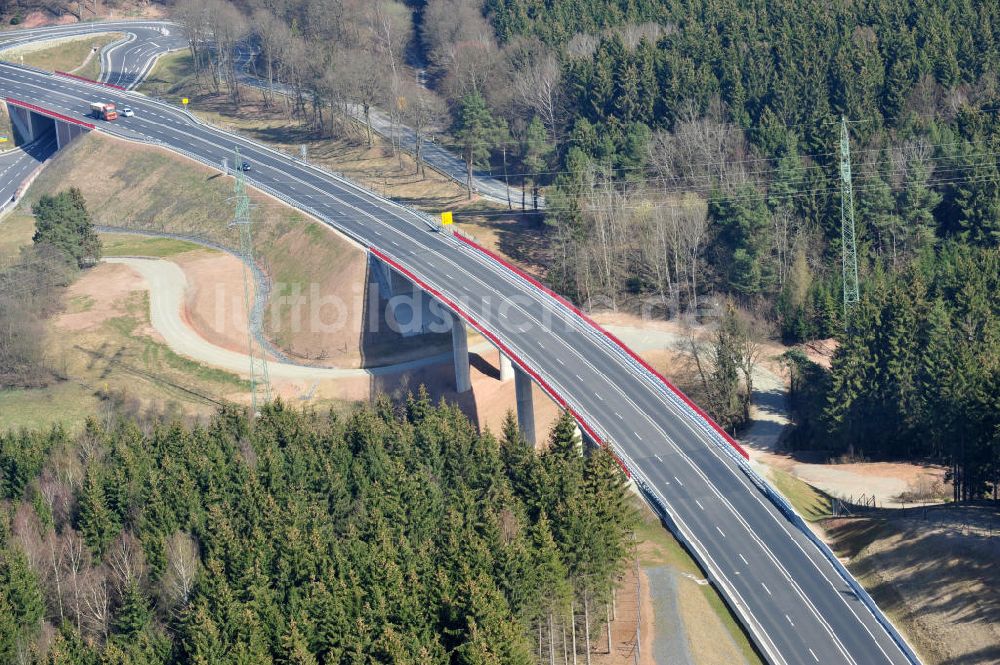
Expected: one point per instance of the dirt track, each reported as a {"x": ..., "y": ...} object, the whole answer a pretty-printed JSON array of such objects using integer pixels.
[{"x": 167, "y": 285}]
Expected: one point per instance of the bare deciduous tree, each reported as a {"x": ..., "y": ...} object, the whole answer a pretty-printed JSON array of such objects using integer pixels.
[
  {"x": 536, "y": 79},
  {"x": 126, "y": 561},
  {"x": 95, "y": 592},
  {"x": 422, "y": 111},
  {"x": 700, "y": 154},
  {"x": 183, "y": 564}
]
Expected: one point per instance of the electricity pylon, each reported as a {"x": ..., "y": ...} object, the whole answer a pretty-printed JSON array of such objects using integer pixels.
[
  {"x": 849, "y": 246},
  {"x": 260, "y": 385}
]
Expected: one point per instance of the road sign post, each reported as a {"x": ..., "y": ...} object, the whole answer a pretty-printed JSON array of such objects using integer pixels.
[{"x": 447, "y": 223}]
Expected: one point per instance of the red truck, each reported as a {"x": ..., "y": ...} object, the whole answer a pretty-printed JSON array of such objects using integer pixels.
[{"x": 103, "y": 110}]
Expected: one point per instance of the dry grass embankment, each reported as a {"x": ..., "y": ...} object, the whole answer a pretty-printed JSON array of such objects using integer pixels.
[
  {"x": 933, "y": 570},
  {"x": 309, "y": 265},
  {"x": 378, "y": 168},
  {"x": 78, "y": 55}
]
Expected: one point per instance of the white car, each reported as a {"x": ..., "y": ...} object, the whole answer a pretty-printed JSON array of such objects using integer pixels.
[{"x": 128, "y": 112}]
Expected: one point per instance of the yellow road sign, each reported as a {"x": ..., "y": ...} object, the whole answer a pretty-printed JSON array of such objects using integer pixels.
[
  {"x": 446, "y": 218},
  {"x": 184, "y": 101}
]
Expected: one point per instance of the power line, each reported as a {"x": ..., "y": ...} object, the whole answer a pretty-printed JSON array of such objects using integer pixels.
[
  {"x": 260, "y": 385},
  {"x": 849, "y": 248}
]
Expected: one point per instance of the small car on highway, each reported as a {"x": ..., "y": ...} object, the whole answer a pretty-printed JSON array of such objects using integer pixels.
[
  {"x": 245, "y": 166},
  {"x": 128, "y": 112}
]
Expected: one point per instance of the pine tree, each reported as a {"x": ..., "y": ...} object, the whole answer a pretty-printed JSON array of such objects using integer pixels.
[
  {"x": 916, "y": 205},
  {"x": 725, "y": 377},
  {"x": 535, "y": 153},
  {"x": 564, "y": 443},
  {"x": 134, "y": 613},
  {"x": 21, "y": 604},
  {"x": 296, "y": 648},
  {"x": 94, "y": 520},
  {"x": 477, "y": 131}
]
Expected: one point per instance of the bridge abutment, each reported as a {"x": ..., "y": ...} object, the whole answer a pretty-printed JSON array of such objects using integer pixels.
[{"x": 30, "y": 126}]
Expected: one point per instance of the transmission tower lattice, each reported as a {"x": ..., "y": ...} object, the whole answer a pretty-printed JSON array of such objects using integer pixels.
[
  {"x": 260, "y": 385},
  {"x": 849, "y": 249}
]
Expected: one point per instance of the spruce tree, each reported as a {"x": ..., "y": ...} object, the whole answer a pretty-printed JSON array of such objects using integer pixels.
[{"x": 95, "y": 520}]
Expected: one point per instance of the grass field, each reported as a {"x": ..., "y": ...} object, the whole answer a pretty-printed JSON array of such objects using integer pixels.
[
  {"x": 16, "y": 230},
  {"x": 68, "y": 55},
  {"x": 127, "y": 244},
  {"x": 808, "y": 501},
  {"x": 67, "y": 402}
]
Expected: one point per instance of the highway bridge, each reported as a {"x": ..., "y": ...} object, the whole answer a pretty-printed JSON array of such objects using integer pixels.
[{"x": 796, "y": 601}]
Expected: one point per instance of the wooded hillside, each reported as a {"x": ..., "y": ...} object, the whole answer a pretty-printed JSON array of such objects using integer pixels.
[{"x": 304, "y": 538}]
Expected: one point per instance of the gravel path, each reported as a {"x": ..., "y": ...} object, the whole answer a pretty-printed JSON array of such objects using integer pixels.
[
  {"x": 167, "y": 283},
  {"x": 670, "y": 644}
]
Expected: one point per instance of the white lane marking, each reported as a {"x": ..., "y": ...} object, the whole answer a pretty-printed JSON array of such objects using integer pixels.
[
  {"x": 658, "y": 459},
  {"x": 678, "y": 481},
  {"x": 744, "y": 560},
  {"x": 502, "y": 314},
  {"x": 765, "y": 588},
  {"x": 637, "y": 435},
  {"x": 578, "y": 377},
  {"x": 619, "y": 416},
  {"x": 598, "y": 396},
  {"x": 699, "y": 504},
  {"x": 560, "y": 361},
  {"x": 448, "y": 276},
  {"x": 790, "y": 623},
  {"x": 813, "y": 655},
  {"x": 719, "y": 530}
]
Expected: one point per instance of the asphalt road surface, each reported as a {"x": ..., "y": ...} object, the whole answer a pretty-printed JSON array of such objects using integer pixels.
[
  {"x": 795, "y": 604},
  {"x": 17, "y": 164},
  {"x": 124, "y": 63}
]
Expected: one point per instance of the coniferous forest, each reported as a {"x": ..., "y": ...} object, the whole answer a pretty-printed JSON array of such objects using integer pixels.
[{"x": 386, "y": 535}]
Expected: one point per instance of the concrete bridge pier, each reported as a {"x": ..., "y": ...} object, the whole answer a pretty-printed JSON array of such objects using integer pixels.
[
  {"x": 525, "y": 406},
  {"x": 506, "y": 368},
  {"x": 409, "y": 311},
  {"x": 460, "y": 349}
]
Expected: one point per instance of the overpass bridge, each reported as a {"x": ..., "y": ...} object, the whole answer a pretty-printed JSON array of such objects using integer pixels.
[{"x": 795, "y": 599}]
